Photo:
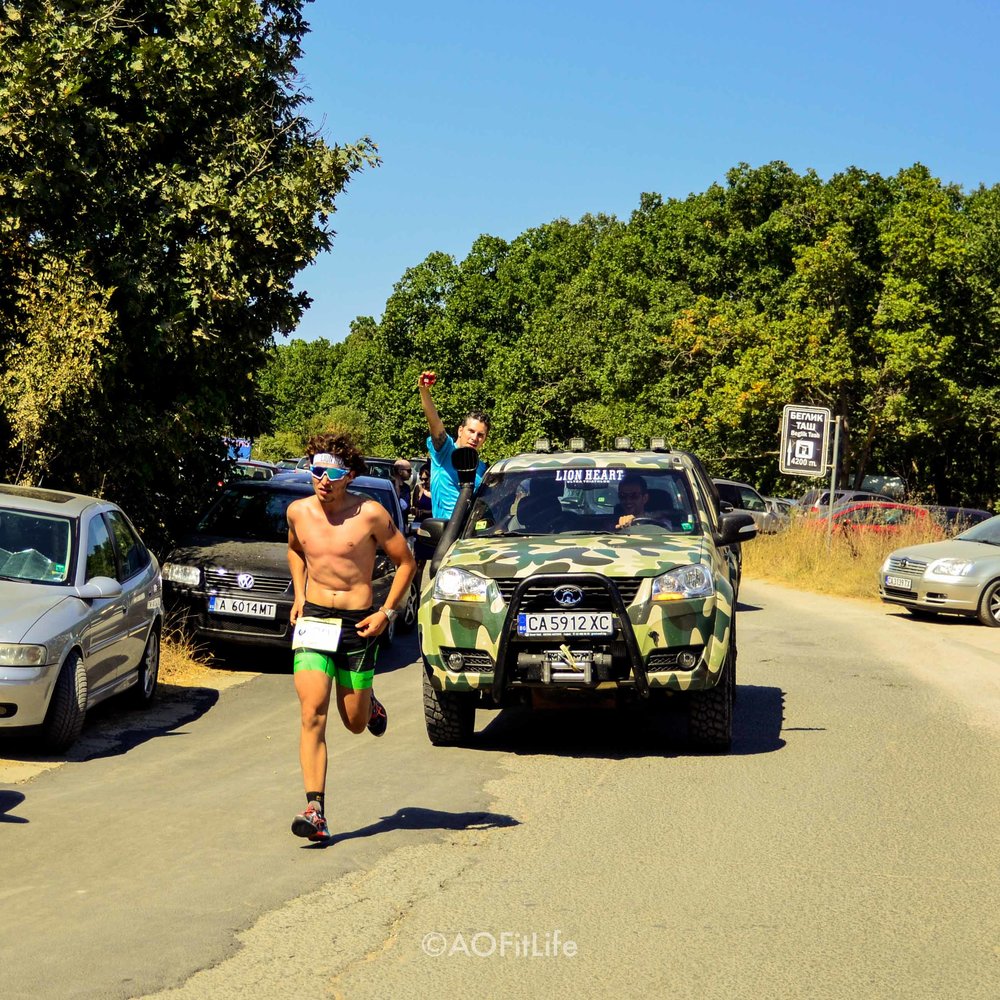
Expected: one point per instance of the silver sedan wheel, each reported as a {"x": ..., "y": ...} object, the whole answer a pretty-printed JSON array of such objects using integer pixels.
[{"x": 989, "y": 605}]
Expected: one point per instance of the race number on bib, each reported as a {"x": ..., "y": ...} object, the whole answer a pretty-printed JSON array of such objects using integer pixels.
[{"x": 322, "y": 634}]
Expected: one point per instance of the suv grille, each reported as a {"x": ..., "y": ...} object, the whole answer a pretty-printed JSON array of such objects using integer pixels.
[
  {"x": 223, "y": 581},
  {"x": 595, "y": 597}
]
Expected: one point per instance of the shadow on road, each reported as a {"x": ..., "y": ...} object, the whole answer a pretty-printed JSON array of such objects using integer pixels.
[
  {"x": 416, "y": 818},
  {"x": 930, "y": 618},
  {"x": 110, "y": 730},
  {"x": 632, "y": 731},
  {"x": 743, "y": 606},
  {"x": 403, "y": 651},
  {"x": 8, "y": 800}
]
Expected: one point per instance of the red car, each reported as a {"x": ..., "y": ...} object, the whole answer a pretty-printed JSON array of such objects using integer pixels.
[{"x": 880, "y": 517}]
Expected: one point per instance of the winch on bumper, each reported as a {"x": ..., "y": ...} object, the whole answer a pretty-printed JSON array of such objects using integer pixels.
[{"x": 634, "y": 644}]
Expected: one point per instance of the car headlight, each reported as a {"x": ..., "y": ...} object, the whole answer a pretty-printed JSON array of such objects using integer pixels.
[
  {"x": 684, "y": 582},
  {"x": 188, "y": 576},
  {"x": 949, "y": 568},
  {"x": 459, "y": 585},
  {"x": 21, "y": 654}
]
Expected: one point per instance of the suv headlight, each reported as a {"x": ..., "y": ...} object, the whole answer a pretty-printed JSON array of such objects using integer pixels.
[
  {"x": 188, "y": 576},
  {"x": 459, "y": 585},
  {"x": 21, "y": 654},
  {"x": 684, "y": 582},
  {"x": 949, "y": 568}
]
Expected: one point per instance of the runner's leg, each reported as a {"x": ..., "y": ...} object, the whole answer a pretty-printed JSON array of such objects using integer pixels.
[
  {"x": 313, "y": 688},
  {"x": 355, "y": 707}
]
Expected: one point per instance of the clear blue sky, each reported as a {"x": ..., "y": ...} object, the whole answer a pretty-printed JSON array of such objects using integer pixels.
[{"x": 493, "y": 118}]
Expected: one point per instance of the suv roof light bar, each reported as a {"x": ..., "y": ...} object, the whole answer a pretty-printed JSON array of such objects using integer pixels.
[
  {"x": 543, "y": 445},
  {"x": 623, "y": 443},
  {"x": 658, "y": 444},
  {"x": 577, "y": 444}
]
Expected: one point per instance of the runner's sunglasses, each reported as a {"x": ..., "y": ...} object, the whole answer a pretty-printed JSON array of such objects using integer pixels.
[{"x": 331, "y": 473}]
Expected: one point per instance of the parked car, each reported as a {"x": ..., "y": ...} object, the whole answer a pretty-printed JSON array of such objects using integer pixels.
[
  {"x": 818, "y": 501},
  {"x": 80, "y": 612},
  {"x": 230, "y": 579},
  {"x": 742, "y": 496},
  {"x": 960, "y": 575},
  {"x": 380, "y": 467},
  {"x": 249, "y": 469},
  {"x": 878, "y": 517},
  {"x": 956, "y": 519}
]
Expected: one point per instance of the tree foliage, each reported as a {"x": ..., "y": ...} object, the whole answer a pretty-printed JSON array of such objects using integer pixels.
[
  {"x": 698, "y": 319},
  {"x": 157, "y": 155}
]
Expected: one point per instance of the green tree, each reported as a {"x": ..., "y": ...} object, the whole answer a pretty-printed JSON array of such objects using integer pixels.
[{"x": 162, "y": 147}]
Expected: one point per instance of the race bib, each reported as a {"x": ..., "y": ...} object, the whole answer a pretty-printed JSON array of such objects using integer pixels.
[{"x": 322, "y": 634}]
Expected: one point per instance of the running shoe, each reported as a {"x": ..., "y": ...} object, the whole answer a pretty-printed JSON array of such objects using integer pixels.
[
  {"x": 378, "y": 720},
  {"x": 311, "y": 823}
]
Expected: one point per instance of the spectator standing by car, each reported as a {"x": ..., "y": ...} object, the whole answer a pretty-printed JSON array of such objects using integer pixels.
[
  {"x": 420, "y": 501},
  {"x": 472, "y": 433},
  {"x": 332, "y": 540},
  {"x": 401, "y": 473}
]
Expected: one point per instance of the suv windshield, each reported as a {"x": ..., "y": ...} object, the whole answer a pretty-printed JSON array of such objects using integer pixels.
[
  {"x": 258, "y": 515},
  {"x": 583, "y": 500},
  {"x": 34, "y": 547}
]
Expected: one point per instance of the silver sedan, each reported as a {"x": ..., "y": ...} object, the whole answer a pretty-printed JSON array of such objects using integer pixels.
[
  {"x": 960, "y": 575},
  {"x": 80, "y": 611}
]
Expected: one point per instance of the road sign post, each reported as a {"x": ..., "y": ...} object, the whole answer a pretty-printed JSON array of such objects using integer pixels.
[{"x": 805, "y": 440}]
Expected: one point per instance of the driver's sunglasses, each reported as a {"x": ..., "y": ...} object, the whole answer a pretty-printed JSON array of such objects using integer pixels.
[{"x": 331, "y": 473}]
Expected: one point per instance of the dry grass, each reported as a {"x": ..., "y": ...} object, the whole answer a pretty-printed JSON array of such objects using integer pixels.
[
  {"x": 847, "y": 566},
  {"x": 184, "y": 663}
]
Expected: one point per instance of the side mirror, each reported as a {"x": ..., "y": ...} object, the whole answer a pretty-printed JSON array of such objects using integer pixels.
[
  {"x": 735, "y": 526},
  {"x": 466, "y": 462},
  {"x": 431, "y": 529},
  {"x": 97, "y": 587}
]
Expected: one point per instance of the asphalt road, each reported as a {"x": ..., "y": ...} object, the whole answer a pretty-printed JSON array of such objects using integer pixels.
[{"x": 847, "y": 847}]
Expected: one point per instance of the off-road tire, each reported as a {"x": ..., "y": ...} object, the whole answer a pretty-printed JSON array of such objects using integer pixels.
[
  {"x": 710, "y": 713},
  {"x": 989, "y": 605},
  {"x": 450, "y": 716},
  {"x": 143, "y": 694},
  {"x": 64, "y": 719}
]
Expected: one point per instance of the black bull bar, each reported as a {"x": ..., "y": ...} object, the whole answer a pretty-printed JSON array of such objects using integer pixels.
[{"x": 561, "y": 579}]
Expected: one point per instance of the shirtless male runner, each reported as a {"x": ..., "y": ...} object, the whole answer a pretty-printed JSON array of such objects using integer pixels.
[{"x": 332, "y": 538}]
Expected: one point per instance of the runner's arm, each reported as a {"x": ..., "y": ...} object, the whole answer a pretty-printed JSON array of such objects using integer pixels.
[
  {"x": 393, "y": 543},
  {"x": 297, "y": 566}
]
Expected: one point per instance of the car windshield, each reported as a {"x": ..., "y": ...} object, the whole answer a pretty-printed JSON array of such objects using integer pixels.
[
  {"x": 583, "y": 500},
  {"x": 258, "y": 515},
  {"x": 987, "y": 532},
  {"x": 34, "y": 547}
]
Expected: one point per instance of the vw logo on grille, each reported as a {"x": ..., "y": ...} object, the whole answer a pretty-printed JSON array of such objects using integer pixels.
[
  {"x": 567, "y": 597},
  {"x": 245, "y": 580}
]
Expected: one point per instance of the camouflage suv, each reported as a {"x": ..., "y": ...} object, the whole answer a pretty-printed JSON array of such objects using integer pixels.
[{"x": 604, "y": 572}]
